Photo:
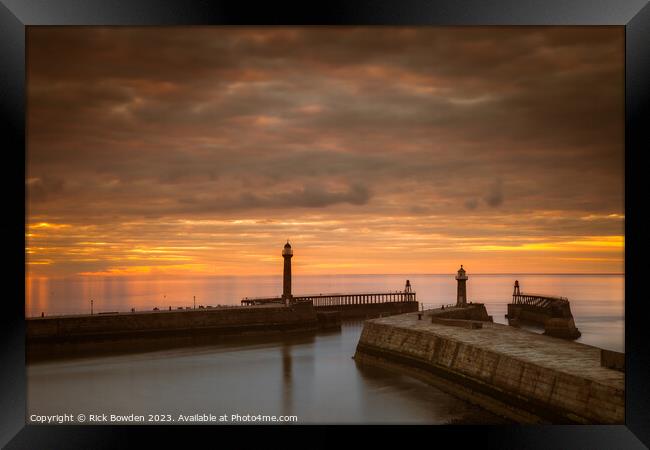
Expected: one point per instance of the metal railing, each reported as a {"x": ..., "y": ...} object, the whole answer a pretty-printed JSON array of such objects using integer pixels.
[{"x": 324, "y": 300}]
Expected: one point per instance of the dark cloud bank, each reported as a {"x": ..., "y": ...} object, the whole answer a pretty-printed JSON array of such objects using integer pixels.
[{"x": 152, "y": 122}]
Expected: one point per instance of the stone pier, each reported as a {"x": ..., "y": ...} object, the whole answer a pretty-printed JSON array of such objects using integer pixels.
[
  {"x": 524, "y": 376},
  {"x": 215, "y": 321}
]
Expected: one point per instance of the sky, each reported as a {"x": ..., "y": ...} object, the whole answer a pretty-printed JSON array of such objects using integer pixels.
[{"x": 193, "y": 151}]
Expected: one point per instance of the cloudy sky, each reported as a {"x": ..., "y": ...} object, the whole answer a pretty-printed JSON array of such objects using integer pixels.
[{"x": 193, "y": 151}]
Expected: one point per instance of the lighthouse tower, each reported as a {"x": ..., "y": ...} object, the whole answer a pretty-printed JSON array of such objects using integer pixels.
[
  {"x": 461, "y": 293},
  {"x": 287, "y": 254},
  {"x": 516, "y": 292}
]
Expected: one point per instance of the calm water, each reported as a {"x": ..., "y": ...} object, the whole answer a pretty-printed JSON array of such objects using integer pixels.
[
  {"x": 597, "y": 301},
  {"x": 310, "y": 375}
]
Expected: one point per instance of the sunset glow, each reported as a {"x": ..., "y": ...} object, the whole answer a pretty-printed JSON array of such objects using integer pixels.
[{"x": 200, "y": 151}]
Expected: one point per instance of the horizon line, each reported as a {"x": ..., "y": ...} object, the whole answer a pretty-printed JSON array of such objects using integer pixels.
[{"x": 340, "y": 274}]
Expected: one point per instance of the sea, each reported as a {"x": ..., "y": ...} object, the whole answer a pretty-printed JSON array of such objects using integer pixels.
[{"x": 309, "y": 377}]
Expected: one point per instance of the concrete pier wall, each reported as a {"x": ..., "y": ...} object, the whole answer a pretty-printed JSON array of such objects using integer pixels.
[
  {"x": 329, "y": 320},
  {"x": 528, "y": 314},
  {"x": 472, "y": 311},
  {"x": 217, "y": 320},
  {"x": 562, "y": 327},
  {"x": 371, "y": 310},
  {"x": 527, "y": 377}
]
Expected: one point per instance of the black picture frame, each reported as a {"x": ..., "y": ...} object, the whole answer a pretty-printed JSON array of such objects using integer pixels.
[{"x": 15, "y": 15}]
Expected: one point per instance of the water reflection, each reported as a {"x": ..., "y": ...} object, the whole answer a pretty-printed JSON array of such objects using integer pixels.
[
  {"x": 40, "y": 353},
  {"x": 286, "y": 379},
  {"x": 317, "y": 378}
]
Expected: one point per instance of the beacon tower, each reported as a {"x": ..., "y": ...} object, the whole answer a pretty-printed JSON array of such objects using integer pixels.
[
  {"x": 461, "y": 292},
  {"x": 287, "y": 254}
]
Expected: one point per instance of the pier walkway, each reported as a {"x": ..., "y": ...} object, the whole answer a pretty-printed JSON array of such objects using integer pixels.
[
  {"x": 324, "y": 300},
  {"x": 542, "y": 378},
  {"x": 350, "y": 306}
]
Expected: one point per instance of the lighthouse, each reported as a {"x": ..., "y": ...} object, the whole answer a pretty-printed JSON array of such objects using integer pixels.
[
  {"x": 287, "y": 254},
  {"x": 461, "y": 292}
]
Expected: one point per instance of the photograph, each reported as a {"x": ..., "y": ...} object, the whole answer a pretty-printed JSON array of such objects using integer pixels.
[{"x": 389, "y": 225}]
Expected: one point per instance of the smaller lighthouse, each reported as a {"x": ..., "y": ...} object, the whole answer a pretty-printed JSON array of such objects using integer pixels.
[
  {"x": 287, "y": 254},
  {"x": 461, "y": 293}
]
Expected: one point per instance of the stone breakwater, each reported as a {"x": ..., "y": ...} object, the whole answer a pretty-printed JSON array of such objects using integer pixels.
[
  {"x": 227, "y": 320},
  {"x": 526, "y": 377}
]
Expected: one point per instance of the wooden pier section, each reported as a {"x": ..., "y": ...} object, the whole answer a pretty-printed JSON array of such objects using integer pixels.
[
  {"x": 323, "y": 300},
  {"x": 353, "y": 305},
  {"x": 553, "y": 312},
  {"x": 539, "y": 300}
]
